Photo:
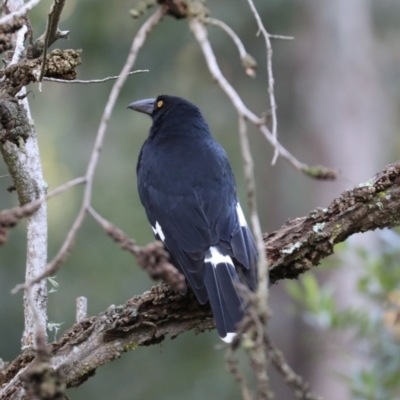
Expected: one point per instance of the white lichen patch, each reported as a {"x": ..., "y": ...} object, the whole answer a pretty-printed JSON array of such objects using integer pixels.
[
  {"x": 367, "y": 184},
  {"x": 318, "y": 227},
  {"x": 291, "y": 249}
]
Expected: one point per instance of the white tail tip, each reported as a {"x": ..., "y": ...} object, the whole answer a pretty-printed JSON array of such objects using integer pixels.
[{"x": 229, "y": 337}]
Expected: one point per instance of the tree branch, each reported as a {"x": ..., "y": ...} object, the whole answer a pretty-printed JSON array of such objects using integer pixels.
[
  {"x": 20, "y": 150},
  {"x": 271, "y": 80},
  {"x": 303, "y": 242},
  {"x": 147, "y": 319},
  {"x": 63, "y": 252},
  {"x": 109, "y": 78},
  {"x": 51, "y": 34},
  {"x": 142, "y": 321},
  {"x": 248, "y": 62},
  {"x": 200, "y": 33}
]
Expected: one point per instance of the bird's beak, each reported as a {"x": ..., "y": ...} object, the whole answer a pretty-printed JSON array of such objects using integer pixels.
[{"x": 143, "y": 106}]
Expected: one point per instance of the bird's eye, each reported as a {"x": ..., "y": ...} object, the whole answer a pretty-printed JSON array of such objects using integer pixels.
[{"x": 160, "y": 103}]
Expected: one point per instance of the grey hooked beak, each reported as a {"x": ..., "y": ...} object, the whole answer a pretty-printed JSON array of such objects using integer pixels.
[{"x": 143, "y": 106}]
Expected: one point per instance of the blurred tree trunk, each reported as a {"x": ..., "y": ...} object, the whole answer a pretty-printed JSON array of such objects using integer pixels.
[{"x": 345, "y": 112}]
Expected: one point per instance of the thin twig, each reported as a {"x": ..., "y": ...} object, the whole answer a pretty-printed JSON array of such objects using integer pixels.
[
  {"x": 248, "y": 61},
  {"x": 232, "y": 364},
  {"x": 263, "y": 281},
  {"x": 153, "y": 258},
  {"x": 45, "y": 46},
  {"x": 271, "y": 80},
  {"x": 200, "y": 34},
  {"x": 28, "y": 208},
  {"x": 250, "y": 332},
  {"x": 54, "y": 32},
  {"x": 50, "y": 35},
  {"x": 20, "y": 12},
  {"x": 109, "y": 78},
  {"x": 300, "y": 388},
  {"x": 230, "y": 32},
  {"x": 137, "y": 43},
  {"x": 108, "y": 227},
  {"x": 281, "y": 37}
]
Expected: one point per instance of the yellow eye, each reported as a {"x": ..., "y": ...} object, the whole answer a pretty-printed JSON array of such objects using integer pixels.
[{"x": 160, "y": 103}]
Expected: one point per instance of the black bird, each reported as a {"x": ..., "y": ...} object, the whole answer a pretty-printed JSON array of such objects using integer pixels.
[{"x": 188, "y": 190}]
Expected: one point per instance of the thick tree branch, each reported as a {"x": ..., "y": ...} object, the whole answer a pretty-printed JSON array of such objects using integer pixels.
[
  {"x": 20, "y": 151},
  {"x": 303, "y": 242},
  {"x": 137, "y": 44},
  {"x": 148, "y": 319},
  {"x": 142, "y": 321}
]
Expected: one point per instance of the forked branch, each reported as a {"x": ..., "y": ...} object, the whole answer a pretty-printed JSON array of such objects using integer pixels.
[{"x": 149, "y": 318}]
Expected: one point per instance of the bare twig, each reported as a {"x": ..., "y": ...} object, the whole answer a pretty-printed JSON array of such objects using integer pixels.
[
  {"x": 300, "y": 388},
  {"x": 248, "y": 62},
  {"x": 19, "y": 12},
  {"x": 281, "y": 37},
  {"x": 232, "y": 364},
  {"x": 250, "y": 333},
  {"x": 200, "y": 34},
  {"x": 98, "y": 340},
  {"x": 271, "y": 80},
  {"x": 263, "y": 281},
  {"x": 11, "y": 217},
  {"x": 153, "y": 258},
  {"x": 137, "y": 43},
  {"x": 109, "y": 78},
  {"x": 52, "y": 32}
]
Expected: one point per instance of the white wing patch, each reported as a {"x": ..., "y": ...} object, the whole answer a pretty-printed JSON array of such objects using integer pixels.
[
  {"x": 215, "y": 257},
  {"x": 241, "y": 218},
  {"x": 158, "y": 231},
  {"x": 229, "y": 337}
]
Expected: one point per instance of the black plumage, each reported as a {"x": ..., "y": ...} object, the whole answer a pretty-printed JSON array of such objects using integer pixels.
[{"x": 188, "y": 190}]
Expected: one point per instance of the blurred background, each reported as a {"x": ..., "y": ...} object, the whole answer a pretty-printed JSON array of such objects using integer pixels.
[{"x": 338, "y": 95}]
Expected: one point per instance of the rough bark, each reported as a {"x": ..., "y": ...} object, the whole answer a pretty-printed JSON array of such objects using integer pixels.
[
  {"x": 301, "y": 243},
  {"x": 21, "y": 154},
  {"x": 148, "y": 319},
  {"x": 20, "y": 151}
]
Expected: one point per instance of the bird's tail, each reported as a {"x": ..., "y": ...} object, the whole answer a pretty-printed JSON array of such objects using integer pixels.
[{"x": 221, "y": 281}]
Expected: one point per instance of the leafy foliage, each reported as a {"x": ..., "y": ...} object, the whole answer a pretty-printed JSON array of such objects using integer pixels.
[{"x": 375, "y": 328}]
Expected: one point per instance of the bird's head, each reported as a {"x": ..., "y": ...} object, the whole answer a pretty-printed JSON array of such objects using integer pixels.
[{"x": 175, "y": 108}]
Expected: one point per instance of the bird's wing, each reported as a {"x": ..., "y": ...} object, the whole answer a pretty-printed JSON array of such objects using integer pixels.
[
  {"x": 190, "y": 224},
  {"x": 194, "y": 210}
]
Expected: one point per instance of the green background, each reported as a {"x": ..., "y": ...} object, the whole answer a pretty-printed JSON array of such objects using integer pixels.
[{"x": 67, "y": 117}]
